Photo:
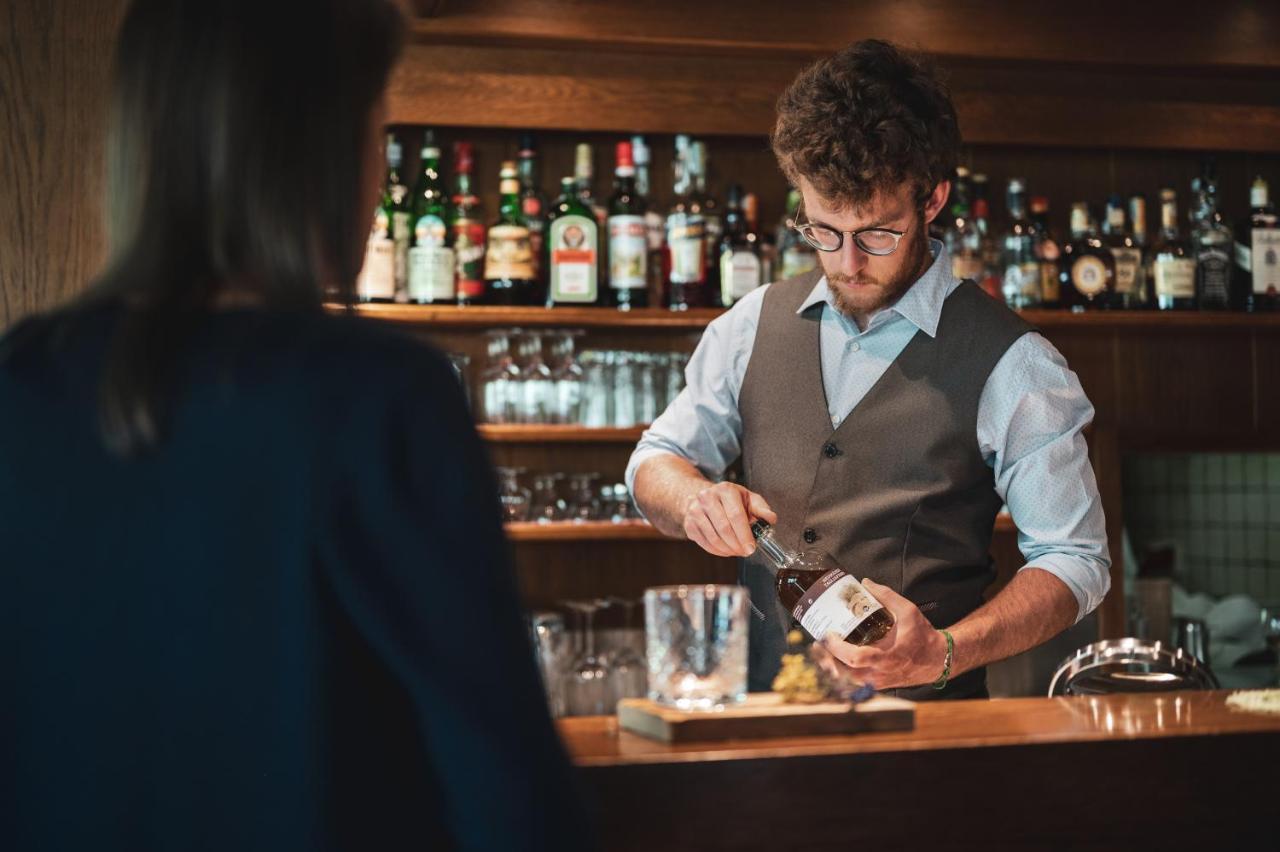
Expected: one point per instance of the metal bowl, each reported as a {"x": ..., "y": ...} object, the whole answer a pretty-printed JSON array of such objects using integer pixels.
[{"x": 1129, "y": 665}]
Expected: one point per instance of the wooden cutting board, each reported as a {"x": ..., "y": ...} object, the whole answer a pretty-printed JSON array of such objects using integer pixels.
[{"x": 764, "y": 715}]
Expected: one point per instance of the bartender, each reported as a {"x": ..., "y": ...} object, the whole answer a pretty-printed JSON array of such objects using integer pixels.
[{"x": 883, "y": 409}]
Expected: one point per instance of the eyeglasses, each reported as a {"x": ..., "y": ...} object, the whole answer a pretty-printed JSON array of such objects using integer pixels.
[{"x": 874, "y": 241}]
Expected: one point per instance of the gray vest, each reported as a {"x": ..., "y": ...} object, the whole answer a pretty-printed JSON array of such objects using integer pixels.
[{"x": 899, "y": 492}]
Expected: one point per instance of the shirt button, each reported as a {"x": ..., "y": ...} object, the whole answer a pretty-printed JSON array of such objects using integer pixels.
[
  {"x": 855, "y": 346},
  {"x": 831, "y": 451},
  {"x": 810, "y": 535}
]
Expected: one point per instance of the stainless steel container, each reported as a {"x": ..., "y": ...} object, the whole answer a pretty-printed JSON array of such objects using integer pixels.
[{"x": 1130, "y": 665}]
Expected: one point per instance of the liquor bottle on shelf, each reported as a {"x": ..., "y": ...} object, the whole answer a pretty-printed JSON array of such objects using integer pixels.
[
  {"x": 573, "y": 247},
  {"x": 768, "y": 252},
  {"x": 431, "y": 263},
  {"x": 533, "y": 202},
  {"x": 399, "y": 203},
  {"x": 960, "y": 235},
  {"x": 1128, "y": 257},
  {"x": 628, "y": 243},
  {"x": 509, "y": 273},
  {"x": 821, "y": 595},
  {"x": 466, "y": 225},
  {"x": 686, "y": 238},
  {"x": 1138, "y": 232},
  {"x": 1260, "y": 260},
  {"x": 988, "y": 251},
  {"x": 377, "y": 279},
  {"x": 654, "y": 222},
  {"x": 1020, "y": 279},
  {"x": 1048, "y": 252},
  {"x": 1087, "y": 274},
  {"x": 739, "y": 254},
  {"x": 584, "y": 174},
  {"x": 794, "y": 254},
  {"x": 1212, "y": 243},
  {"x": 1173, "y": 266},
  {"x": 712, "y": 222}
]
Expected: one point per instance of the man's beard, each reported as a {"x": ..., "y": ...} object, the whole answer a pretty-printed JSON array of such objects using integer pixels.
[{"x": 878, "y": 295}]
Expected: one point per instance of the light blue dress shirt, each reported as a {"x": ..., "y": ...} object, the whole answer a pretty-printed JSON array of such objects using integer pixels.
[{"x": 1030, "y": 419}]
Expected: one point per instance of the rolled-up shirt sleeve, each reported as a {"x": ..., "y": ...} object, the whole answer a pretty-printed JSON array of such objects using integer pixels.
[
  {"x": 1031, "y": 419},
  {"x": 702, "y": 423}
]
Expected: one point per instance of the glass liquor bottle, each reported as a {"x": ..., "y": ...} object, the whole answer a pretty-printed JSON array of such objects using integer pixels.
[
  {"x": 1138, "y": 233},
  {"x": 1173, "y": 267},
  {"x": 768, "y": 254},
  {"x": 795, "y": 255},
  {"x": 1212, "y": 245},
  {"x": 509, "y": 275},
  {"x": 573, "y": 246},
  {"x": 467, "y": 227},
  {"x": 739, "y": 254},
  {"x": 822, "y": 597},
  {"x": 1261, "y": 258},
  {"x": 628, "y": 241},
  {"x": 654, "y": 222},
  {"x": 1087, "y": 274},
  {"x": 1128, "y": 258},
  {"x": 1020, "y": 281},
  {"x": 533, "y": 205},
  {"x": 398, "y": 202},
  {"x": 686, "y": 238},
  {"x": 712, "y": 222},
  {"x": 960, "y": 235},
  {"x": 431, "y": 263},
  {"x": 377, "y": 280},
  {"x": 1048, "y": 252}
]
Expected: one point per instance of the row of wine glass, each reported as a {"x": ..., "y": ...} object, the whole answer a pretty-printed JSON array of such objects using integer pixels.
[
  {"x": 584, "y": 499},
  {"x": 581, "y": 678}
]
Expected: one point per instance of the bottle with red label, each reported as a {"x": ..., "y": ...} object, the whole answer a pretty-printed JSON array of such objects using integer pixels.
[
  {"x": 467, "y": 228},
  {"x": 821, "y": 595}
]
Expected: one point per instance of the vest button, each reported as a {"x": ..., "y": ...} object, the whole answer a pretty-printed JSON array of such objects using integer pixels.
[
  {"x": 810, "y": 535},
  {"x": 830, "y": 451}
]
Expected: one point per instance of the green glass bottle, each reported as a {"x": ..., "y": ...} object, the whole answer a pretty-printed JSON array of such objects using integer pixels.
[
  {"x": 466, "y": 226},
  {"x": 509, "y": 273},
  {"x": 573, "y": 248},
  {"x": 431, "y": 263}
]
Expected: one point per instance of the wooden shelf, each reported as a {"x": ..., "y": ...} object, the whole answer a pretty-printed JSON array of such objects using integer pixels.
[
  {"x": 586, "y": 531},
  {"x": 537, "y": 434},
  {"x": 1151, "y": 319},
  {"x": 490, "y": 317}
]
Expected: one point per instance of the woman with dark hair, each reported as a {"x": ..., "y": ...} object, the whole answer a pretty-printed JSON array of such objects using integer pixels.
[{"x": 254, "y": 590}]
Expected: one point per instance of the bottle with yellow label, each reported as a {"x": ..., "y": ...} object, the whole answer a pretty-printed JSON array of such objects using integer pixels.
[{"x": 1087, "y": 272}]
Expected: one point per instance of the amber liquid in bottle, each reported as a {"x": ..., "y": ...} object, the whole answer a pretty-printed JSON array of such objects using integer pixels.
[{"x": 799, "y": 574}]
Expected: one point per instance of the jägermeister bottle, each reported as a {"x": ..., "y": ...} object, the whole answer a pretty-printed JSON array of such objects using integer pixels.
[{"x": 573, "y": 246}]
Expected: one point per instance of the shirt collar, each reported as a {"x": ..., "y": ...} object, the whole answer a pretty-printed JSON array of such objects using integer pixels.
[{"x": 921, "y": 305}]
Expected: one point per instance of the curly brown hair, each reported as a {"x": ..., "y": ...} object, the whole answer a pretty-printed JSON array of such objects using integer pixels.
[{"x": 868, "y": 119}]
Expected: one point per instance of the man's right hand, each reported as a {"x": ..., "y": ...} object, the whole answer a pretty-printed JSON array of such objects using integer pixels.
[{"x": 718, "y": 519}]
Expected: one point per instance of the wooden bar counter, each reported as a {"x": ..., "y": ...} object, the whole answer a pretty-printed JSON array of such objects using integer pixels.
[{"x": 1172, "y": 771}]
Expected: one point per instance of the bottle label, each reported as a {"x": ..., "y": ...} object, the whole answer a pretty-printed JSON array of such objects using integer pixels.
[
  {"x": 510, "y": 254},
  {"x": 431, "y": 272},
  {"x": 655, "y": 230},
  {"x": 1213, "y": 269},
  {"x": 1089, "y": 274},
  {"x": 835, "y": 603},
  {"x": 628, "y": 252},
  {"x": 686, "y": 238},
  {"x": 377, "y": 277},
  {"x": 739, "y": 274},
  {"x": 573, "y": 259},
  {"x": 1266, "y": 260},
  {"x": 1128, "y": 265},
  {"x": 468, "y": 254},
  {"x": 401, "y": 229},
  {"x": 1175, "y": 277},
  {"x": 797, "y": 261},
  {"x": 966, "y": 268}
]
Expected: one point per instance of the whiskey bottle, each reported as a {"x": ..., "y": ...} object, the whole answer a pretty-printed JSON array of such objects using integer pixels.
[
  {"x": 795, "y": 255},
  {"x": 573, "y": 247},
  {"x": 1048, "y": 252},
  {"x": 509, "y": 273},
  {"x": 533, "y": 204},
  {"x": 1261, "y": 258},
  {"x": 739, "y": 253},
  {"x": 960, "y": 235},
  {"x": 1127, "y": 256},
  {"x": 686, "y": 238},
  {"x": 431, "y": 264},
  {"x": 1173, "y": 268},
  {"x": 988, "y": 251},
  {"x": 628, "y": 243},
  {"x": 822, "y": 597},
  {"x": 466, "y": 226},
  {"x": 1212, "y": 243},
  {"x": 713, "y": 225},
  {"x": 654, "y": 222},
  {"x": 399, "y": 206},
  {"x": 1020, "y": 279},
  {"x": 1138, "y": 233},
  {"x": 1087, "y": 273}
]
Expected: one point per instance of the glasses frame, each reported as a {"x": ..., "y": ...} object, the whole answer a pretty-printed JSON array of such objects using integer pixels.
[{"x": 802, "y": 228}]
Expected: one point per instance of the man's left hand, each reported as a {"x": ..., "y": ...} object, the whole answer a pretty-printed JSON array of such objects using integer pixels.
[{"x": 911, "y": 654}]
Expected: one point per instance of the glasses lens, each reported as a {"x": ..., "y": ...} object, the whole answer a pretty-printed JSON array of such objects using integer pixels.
[
  {"x": 877, "y": 242},
  {"x": 823, "y": 239}
]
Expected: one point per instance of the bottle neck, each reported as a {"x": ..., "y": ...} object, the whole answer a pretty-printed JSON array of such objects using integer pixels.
[{"x": 768, "y": 545}]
